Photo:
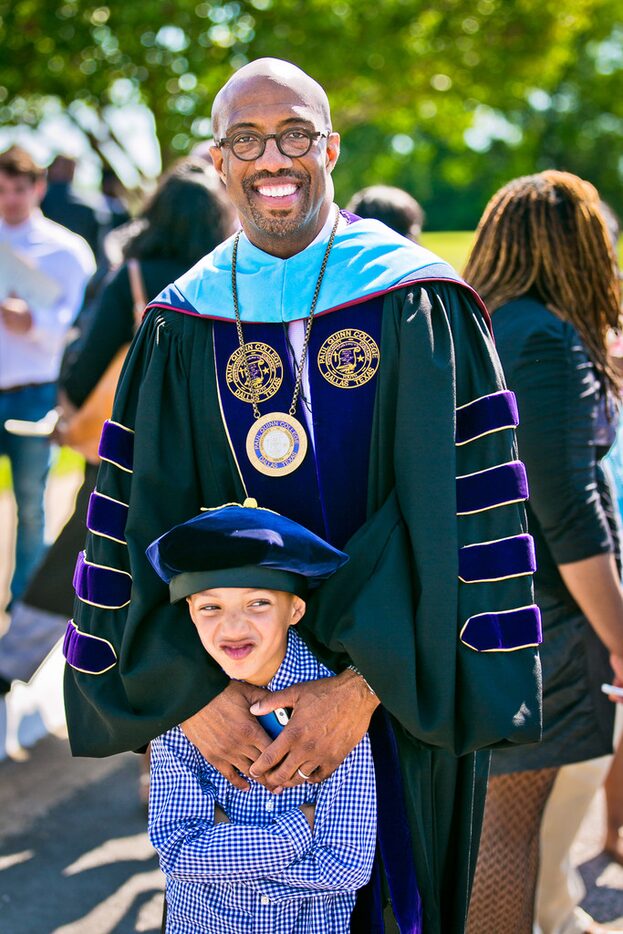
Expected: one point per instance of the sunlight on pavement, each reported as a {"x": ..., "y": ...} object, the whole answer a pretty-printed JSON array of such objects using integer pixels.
[
  {"x": 150, "y": 911},
  {"x": 109, "y": 913},
  {"x": 14, "y": 859},
  {"x": 112, "y": 851}
]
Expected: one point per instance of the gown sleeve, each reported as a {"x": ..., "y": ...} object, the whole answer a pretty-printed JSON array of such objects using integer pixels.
[
  {"x": 436, "y": 607},
  {"x": 126, "y": 640}
]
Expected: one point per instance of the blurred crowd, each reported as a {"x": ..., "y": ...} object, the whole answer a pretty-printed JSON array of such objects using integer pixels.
[{"x": 75, "y": 276}]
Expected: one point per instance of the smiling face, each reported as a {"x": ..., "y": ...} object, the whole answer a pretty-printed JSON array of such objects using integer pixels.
[
  {"x": 245, "y": 630},
  {"x": 282, "y": 201}
]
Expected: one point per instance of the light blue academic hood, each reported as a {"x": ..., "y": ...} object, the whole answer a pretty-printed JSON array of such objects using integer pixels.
[{"x": 367, "y": 258}]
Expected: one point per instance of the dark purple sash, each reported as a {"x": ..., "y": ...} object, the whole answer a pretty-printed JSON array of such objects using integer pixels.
[
  {"x": 328, "y": 492},
  {"x": 394, "y": 847}
]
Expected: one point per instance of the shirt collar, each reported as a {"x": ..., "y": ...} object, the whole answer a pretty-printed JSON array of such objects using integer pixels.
[
  {"x": 17, "y": 231},
  {"x": 299, "y": 664}
]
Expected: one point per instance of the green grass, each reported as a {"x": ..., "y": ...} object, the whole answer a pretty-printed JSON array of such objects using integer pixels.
[
  {"x": 451, "y": 245},
  {"x": 454, "y": 246}
]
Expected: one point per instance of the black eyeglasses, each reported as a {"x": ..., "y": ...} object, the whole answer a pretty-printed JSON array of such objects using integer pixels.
[{"x": 293, "y": 143}]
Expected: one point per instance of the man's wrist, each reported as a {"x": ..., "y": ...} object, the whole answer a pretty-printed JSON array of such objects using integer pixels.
[
  {"x": 368, "y": 698},
  {"x": 357, "y": 672}
]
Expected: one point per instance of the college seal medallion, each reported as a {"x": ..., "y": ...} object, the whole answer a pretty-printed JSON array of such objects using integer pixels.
[
  {"x": 348, "y": 358},
  {"x": 276, "y": 444},
  {"x": 259, "y": 369}
]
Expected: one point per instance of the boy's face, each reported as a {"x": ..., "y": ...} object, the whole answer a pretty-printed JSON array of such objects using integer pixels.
[{"x": 245, "y": 630}]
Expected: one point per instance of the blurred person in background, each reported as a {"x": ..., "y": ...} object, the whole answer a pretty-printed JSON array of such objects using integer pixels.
[
  {"x": 63, "y": 204},
  {"x": 32, "y": 334},
  {"x": 545, "y": 265},
  {"x": 613, "y": 785},
  {"x": 186, "y": 217},
  {"x": 113, "y": 199},
  {"x": 560, "y": 887},
  {"x": 391, "y": 206}
]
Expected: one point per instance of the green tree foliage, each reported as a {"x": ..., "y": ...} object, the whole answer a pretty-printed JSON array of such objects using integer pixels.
[{"x": 531, "y": 82}]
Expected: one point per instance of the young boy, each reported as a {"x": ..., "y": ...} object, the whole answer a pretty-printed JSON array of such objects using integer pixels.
[{"x": 253, "y": 861}]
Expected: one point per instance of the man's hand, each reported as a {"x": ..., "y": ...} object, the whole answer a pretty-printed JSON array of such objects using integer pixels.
[
  {"x": 16, "y": 315},
  {"x": 329, "y": 718},
  {"x": 226, "y": 734}
]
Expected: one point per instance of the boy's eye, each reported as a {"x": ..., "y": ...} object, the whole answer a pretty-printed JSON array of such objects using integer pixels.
[
  {"x": 209, "y": 607},
  {"x": 261, "y": 603}
]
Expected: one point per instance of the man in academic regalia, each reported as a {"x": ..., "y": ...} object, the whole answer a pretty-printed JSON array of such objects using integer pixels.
[{"x": 345, "y": 377}]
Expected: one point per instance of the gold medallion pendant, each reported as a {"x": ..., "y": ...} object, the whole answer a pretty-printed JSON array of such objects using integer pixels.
[
  {"x": 254, "y": 372},
  {"x": 276, "y": 444}
]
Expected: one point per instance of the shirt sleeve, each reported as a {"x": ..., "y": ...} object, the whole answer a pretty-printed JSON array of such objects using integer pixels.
[
  {"x": 283, "y": 859},
  {"x": 191, "y": 846},
  {"x": 341, "y": 854},
  {"x": 558, "y": 397},
  {"x": 51, "y": 324}
]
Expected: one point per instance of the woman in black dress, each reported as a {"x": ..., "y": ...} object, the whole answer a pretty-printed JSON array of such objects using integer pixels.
[{"x": 544, "y": 263}]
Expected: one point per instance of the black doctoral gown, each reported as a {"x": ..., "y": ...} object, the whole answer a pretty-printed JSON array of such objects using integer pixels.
[{"x": 435, "y": 606}]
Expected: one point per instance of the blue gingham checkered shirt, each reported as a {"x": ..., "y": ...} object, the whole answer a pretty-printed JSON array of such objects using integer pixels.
[{"x": 265, "y": 871}]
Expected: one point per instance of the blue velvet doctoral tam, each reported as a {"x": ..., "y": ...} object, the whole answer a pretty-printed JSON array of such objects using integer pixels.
[{"x": 246, "y": 542}]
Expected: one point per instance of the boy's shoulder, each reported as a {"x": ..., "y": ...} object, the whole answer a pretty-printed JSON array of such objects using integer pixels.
[
  {"x": 299, "y": 664},
  {"x": 177, "y": 744}
]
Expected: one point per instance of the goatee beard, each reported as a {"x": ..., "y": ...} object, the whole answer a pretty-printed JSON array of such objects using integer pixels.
[{"x": 278, "y": 226}]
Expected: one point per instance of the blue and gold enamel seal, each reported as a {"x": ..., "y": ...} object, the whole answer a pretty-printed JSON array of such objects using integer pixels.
[
  {"x": 276, "y": 444},
  {"x": 259, "y": 369},
  {"x": 349, "y": 358}
]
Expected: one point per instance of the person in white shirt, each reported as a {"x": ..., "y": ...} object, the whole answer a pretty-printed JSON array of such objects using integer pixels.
[{"x": 35, "y": 314}]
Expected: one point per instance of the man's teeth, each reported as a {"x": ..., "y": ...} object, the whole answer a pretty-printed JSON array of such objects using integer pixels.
[{"x": 277, "y": 191}]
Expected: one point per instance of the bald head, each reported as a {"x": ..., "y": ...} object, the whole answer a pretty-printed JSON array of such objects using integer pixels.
[{"x": 276, "y": 75}]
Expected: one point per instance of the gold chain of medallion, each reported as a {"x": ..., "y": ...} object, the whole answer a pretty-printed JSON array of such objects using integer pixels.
[{"x": 310, "y": 320}]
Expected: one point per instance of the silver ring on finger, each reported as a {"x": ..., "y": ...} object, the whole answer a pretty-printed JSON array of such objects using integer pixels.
[{"x": 305, "y": 777}]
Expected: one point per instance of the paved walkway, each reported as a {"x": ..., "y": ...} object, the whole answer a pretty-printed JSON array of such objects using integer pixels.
[
  {"x": 74, "y": 855},
  {"x": 75, "y": 858},
  {"x": 603, "y": 879}
]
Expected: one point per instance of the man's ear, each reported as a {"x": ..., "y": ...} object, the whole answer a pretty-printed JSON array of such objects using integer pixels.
[
  {"x": 216, "y": 154},
  {"x": 333, "y": 150}
]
